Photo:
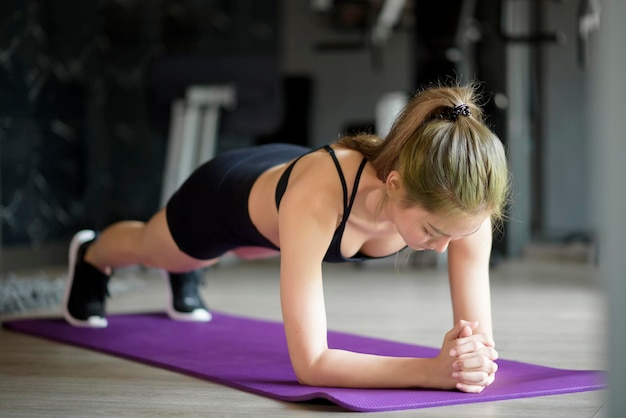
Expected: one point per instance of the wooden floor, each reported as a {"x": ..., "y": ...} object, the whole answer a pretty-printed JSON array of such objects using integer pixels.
[{"x": 546, "y": 312}]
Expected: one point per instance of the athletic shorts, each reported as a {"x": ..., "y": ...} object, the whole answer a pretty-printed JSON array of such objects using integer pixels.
[{"x": 208, "y": 215}]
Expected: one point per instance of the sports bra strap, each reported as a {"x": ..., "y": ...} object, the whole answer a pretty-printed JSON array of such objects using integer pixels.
[
  {"x": 333, "y": 254},
  {"x": 281, "y": 187},
  {"x": 341, "y": 176},
  {"x": 346, "y": 213}
]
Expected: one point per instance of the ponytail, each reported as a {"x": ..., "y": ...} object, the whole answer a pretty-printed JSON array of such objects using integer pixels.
[{"x": 449, "y": 161}]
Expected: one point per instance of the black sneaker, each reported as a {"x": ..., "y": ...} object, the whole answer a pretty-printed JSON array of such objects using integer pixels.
[
  {"x": 83, "y": 304},
  {"x": 185, "y": 301}
]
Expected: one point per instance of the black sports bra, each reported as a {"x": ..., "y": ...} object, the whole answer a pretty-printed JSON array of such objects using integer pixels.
[{"x": 333, "y": 254}]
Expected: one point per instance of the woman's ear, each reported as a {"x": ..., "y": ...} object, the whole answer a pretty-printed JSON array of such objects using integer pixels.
[
  {"x": 393, "y": 186},
  {"x": 393, "y": 182}
]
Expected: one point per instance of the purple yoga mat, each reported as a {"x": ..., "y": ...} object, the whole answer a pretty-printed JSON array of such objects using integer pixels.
[{"x": 251, "y": 355}]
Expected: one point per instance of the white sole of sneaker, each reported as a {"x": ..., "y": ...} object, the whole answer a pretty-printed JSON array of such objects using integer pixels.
[
  {"x": 93, "y": 321},
  {"x": 197, "y": 315}
]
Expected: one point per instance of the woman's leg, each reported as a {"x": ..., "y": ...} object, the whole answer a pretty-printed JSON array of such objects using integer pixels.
[
  {"x": 150, "y": 244},
  {"x": 92, "y": 260}
]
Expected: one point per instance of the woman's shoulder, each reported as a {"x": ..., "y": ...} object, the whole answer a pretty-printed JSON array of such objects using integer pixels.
[
  {"x": 315, "y": 178},
  {"x": 314, "y": 171},
  {"x": 340, "y": 157},
  {"x": 329, "y": 163}
]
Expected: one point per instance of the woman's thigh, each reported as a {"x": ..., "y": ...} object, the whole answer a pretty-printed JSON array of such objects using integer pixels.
[{"x": 161, "y": 251}]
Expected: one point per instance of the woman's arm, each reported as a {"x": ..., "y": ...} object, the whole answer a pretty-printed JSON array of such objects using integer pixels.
[
  {"x": 468, "y": 268},
  {"x": 308, "y": 217}
]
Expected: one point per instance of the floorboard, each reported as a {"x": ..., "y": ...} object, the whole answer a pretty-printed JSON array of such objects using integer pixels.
[{"x": 549, "y": 312}]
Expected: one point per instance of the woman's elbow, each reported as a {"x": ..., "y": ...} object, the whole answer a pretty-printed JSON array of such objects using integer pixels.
[
  {"x": 307, "y": 376},
  {"x": 311, "y": 374}
]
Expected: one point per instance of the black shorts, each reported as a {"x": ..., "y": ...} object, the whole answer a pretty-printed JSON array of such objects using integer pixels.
[{"x": 208, "y": 215}]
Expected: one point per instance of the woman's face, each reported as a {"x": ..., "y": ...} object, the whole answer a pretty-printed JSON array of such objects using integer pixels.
[{"x": 422, "y": 230}]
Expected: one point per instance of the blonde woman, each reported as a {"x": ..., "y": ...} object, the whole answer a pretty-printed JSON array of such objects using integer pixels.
[{"x": 437, "y": 182}]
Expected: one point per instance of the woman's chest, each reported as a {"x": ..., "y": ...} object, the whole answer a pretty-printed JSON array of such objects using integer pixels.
[{"x": 370, "y": 242}]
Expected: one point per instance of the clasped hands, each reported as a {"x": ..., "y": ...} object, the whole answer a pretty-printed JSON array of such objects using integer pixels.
[{"x": 467, "y": 360}]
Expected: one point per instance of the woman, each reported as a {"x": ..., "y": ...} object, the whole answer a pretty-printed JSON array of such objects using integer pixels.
[{"x": 436, "y": 182}]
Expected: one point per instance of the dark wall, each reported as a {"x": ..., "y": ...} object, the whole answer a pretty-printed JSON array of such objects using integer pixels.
[
  {"x": 77, "y": 144},
  {"x": 465, "y": 47}
]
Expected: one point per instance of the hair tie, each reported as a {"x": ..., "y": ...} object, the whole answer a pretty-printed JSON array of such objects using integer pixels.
[{"x": 453, "y": 113}]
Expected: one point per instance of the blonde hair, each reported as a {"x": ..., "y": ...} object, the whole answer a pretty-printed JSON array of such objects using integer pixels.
[{"x": 448, "y": 165}]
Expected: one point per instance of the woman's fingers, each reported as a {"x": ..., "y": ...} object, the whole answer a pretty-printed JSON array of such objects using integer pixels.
[
  {"x": 474, "y": 366},
  {"x": 488, "y": 352},
  {"x": 473, "y": 344},
  {"x": 482, "y": 337},
  {"x": 469, "y": 388},
  {"x": 472, "y": 383},
  {"x": 462, "y": 329},
  {"x": 466, "y": 331},
  {"x": 474, "y": 378},
  {"x": 479, "y": 363},
  {"x": 474, "y": 372}
]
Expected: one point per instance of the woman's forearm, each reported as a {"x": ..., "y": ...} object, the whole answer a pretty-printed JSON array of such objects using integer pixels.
[
  {"x": 470, "y": 369},
  {"x": 340, "y": 368}
]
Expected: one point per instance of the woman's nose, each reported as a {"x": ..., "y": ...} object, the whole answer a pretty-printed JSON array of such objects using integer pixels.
[{"x": 440, "y": 244}]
